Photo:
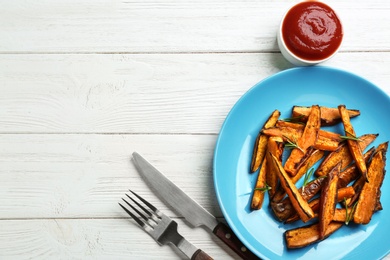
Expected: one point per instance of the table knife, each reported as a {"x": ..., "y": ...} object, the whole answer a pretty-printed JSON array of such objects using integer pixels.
[{"x": 187, "y": 207}]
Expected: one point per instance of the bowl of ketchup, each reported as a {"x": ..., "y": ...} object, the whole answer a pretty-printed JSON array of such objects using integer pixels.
[{"x": 310, "y": 33}]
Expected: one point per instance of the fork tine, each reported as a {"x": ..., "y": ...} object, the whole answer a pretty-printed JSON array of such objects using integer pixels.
[
  {"x": 139, "y": 205},
  {"x": 140, "y": 222},
  {"x": 153, "y": 208},
  {"x": 136, "y": 210}
]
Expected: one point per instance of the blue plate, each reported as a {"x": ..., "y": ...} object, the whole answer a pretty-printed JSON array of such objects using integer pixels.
[{"x": 259, "y": 230}]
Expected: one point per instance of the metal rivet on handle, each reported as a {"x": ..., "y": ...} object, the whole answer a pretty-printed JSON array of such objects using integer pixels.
[
  {"x": 228, "y": 236},
  {"x": 243, "y": 249}
]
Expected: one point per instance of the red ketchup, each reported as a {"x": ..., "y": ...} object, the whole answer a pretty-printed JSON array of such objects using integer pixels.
[{"x": 312, "y": 30}]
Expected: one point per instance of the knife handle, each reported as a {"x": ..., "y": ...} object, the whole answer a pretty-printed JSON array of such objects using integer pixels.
[
  {"x": 200, "y": 255},
  {"x": 225, "y": 233}
]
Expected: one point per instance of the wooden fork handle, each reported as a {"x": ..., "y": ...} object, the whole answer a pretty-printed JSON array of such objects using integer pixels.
[{"x": 201, "y": 255}]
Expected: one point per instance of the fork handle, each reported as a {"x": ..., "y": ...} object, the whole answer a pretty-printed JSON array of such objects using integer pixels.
[{"x": 200, "y": 255}]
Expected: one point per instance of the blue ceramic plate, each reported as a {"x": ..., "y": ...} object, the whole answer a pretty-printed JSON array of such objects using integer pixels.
[{"x": 259, "y": 230}]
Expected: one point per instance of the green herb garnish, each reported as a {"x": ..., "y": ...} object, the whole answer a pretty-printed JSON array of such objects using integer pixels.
[
  {"x": 349, "y": 215},
  {"x": 295, "y": 119},
  {"x": 265, "y": 188},
  {"x": 292, "y": 144},
  {"x": 349, "y": 136},
  {"x": 307, "y": 178}
]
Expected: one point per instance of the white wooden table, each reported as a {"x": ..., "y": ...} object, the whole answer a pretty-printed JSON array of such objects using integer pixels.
[{"x": 85, "y": 83}]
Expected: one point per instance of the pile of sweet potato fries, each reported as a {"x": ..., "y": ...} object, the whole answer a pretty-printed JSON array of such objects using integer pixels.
[{"x": 347, "y": 182}]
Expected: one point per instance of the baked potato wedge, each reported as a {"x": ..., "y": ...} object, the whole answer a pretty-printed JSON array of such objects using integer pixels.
[
  {"x": 326, "y": 141},
  {"x": 357, "y": 186},
  {"x": 307, "y": 235},
  {"x": 260, "y": 146},
  {"x": 308, "y": 139},
  {"x": 351, "y": 173},
  {"x": 300, "y": 204},
  {"x": 368, "y": 196},
  {"x": 342, "y": 193},
  {"x": 353, "y": 143},
  {"x": 260, "y": 187},
  {"x": 275, "y": 148},
  {"x": 328, "y": 200},
  {"x": 343, "y": 162},
  {"x": 341, "y": 215},
  {"x": 342, "y": 154},
  {"x": 329, "y": 115},
  {"x": 284, "y": 209},
  {"x": 313, "y": 157}
]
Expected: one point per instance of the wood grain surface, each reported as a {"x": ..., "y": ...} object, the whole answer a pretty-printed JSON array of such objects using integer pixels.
[{"x": 85, "y": 83}]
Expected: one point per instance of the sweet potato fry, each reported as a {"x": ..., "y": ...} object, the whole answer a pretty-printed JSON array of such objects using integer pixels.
[
  {"x": 345, "y": 193},
  {"x": 304, "y": 236},
  {"x": 326, "y": 141},
  {"x": 260, "y": 187},
  {"x": 283, "y": 123},
  {"x": 284, "y": 209},
  {"x": 351, "y": 173},
  {"x": 300, "y": 205},
  {"x": 343, "y": 154},
  {"x": 300, "y": 127},
  {"x": 275, "y": 147},
  {"x": 307, "y": 140},
  {"x": 340, "y": 215},
  {"x": 284, "y": 132},
  {"x": 312, "y": 188},
  {"x": 345, "y": 163},
  {"x": 342, "y": 193},
  {"x": 329, "y": 116},
  {"x": 357, "y": 186},
  {"x": 313, "y": 157},
  {"x": 368, "y": 196},
  {"x": 354, "y": 147},
  {"x": 359, "y": 182},
  {"x": 260, "y": 147},
  {"x": 328, "y": 200},
  {"x": 344, "y": 215}
]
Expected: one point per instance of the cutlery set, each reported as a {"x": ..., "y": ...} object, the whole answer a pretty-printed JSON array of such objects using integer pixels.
[{"x": 162, "y": 228}]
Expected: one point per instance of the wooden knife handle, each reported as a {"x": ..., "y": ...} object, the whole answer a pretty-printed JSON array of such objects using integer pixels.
[
  {"x": 200, "y": 255},
  {"x": 224, "y": 233}
]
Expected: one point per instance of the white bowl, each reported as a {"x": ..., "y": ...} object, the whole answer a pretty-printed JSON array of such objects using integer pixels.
[{"x": 293, "y": 58}]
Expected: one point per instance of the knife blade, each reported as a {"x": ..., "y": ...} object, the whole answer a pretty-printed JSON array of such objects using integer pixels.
[{"x": 187, "y": 207}]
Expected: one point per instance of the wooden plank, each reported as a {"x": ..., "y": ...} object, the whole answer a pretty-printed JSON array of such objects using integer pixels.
[
  {"x": 125, "y": 93},
  {"x": 95, "y": 239},
  {"x": 172, "y": 26},
  {"x": 85, "y": 176},
  {"x": 121, "y": 93}
]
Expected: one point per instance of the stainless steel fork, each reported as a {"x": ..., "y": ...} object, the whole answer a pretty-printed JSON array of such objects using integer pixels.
[{"x": 161, "y": 227}]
